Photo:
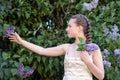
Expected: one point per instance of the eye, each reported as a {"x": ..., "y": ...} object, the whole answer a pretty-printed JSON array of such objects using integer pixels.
[{"x": 69, "y": 26}]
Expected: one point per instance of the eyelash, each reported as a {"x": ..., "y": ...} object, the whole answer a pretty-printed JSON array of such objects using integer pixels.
[{"x": 69, "y": 26}]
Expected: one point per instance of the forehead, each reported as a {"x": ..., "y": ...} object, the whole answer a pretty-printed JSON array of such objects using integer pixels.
[{"x": 71, "y": 21}]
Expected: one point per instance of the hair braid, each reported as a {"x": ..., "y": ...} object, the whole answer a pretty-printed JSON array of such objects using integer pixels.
[{"x": 87, "y": 31}]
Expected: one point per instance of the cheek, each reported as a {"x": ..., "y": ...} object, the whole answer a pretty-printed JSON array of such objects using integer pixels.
[{"x": 74, "y": 31}]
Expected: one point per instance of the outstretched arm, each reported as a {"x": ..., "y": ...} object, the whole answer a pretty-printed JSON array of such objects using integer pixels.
[{"x": 53, "y": 51}]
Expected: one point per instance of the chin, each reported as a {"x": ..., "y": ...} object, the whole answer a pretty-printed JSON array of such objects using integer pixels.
[{"x": 70, "y": 36}]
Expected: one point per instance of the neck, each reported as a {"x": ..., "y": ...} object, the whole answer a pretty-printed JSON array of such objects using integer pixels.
[{"x": 77, "y": 41}]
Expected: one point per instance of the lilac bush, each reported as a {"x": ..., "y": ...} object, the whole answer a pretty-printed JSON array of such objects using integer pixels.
[{"x": 106, "y": 52}]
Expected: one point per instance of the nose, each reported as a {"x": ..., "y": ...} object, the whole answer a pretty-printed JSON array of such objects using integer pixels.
[{"x": 67, "y": 29}]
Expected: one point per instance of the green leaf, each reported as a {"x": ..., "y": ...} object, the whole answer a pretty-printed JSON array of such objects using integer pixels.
[
  {"x": 35, "y": 64},
  {"x": 22, "y": 59},
  {"x": 7, "y": 72},
  {"x": 12, "y": 78},
  {"x": 30, "y": 59},
  {"x": 4, "y": 64},
  {"x": 1, "y": 73},
  {"x": 5, "y": 55},
  {"x": 27, "y": 68},
  {"x": 16, "y": 56},
  {"x": 27, "y": 15},
  {"x": 14, "y": 71}
]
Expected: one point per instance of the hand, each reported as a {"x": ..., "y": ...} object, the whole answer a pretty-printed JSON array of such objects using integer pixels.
[
  {"x": 85, "y": 56},
  {"x": 14, "y": 37}
]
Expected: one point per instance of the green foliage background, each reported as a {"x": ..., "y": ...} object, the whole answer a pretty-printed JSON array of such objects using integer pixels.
[{"x": 43, "y": 22}]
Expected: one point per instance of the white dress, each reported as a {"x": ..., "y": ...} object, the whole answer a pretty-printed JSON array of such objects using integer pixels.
[{"x": 74, "y": 67}]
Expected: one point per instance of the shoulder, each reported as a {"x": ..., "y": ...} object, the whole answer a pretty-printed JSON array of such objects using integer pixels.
[
  {"x": 65, "y": 46},
  {"x": 97, "y": 50}
]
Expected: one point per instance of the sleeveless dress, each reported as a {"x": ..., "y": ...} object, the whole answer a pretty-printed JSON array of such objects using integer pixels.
[{"x": 74, "y": 67}]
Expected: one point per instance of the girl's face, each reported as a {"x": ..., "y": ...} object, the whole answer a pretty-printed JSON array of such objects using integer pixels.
[{"x": 73, "y": 30}]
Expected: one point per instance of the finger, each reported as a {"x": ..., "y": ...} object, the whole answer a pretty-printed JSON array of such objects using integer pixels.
[
  {"x": 11, "y": 38},
  {"x": 16, "y": 34},
  {"x": 12, "y": 33}
]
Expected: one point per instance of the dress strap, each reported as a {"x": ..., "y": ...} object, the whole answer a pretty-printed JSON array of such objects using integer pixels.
[{"x": 67, "y": 49}]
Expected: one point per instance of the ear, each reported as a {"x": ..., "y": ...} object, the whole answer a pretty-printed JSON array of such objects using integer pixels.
[{"x": 80, "y": 28}]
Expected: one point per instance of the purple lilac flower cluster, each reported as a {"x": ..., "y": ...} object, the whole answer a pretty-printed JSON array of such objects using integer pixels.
[
  {"x": 23, "y": 73},
  {"x": 105, "y": 62},
  {"x": 9, "y": 30},
  {"x": 114, "y": 35},
  {"x": 91, "y": 47},
  {"x": 90, "y": 6},
  {"x": 117, "y": 52},
  {"x": 9, "y": 7}
]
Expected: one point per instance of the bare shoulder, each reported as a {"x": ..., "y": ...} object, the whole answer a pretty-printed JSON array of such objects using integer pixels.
[
  {"x": 97, "y": 51},
  {"x": 97, "y": 55},
  {"x": 65, "y": 46}
]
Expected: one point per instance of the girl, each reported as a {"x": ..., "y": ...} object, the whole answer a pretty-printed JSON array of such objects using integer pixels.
[{"x": 78, "y": 65}]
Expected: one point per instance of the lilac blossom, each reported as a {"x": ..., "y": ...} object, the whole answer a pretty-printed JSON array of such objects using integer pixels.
[
  {"x": 114, "y": 35},
  {"x": 91, "y": 47},
  {"x": 90, "y": 6},
  {"x": 21, "y": 70},
  {"x": 94, "y": 3},
  {"x": 9, "y": 6},
  {"x": 9, "y": 30},
  {"x": 115, "y": 28},
  {"x": 117, "y": 52},
  {"x": 106, "y": 52},
  {"x": 107, "y": 63},
  {"x": 24, "y": 73},
  {"x": 106, "y": 31}
]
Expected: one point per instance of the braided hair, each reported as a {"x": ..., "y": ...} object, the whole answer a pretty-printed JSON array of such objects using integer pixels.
[{"x": 84, "y": 22}]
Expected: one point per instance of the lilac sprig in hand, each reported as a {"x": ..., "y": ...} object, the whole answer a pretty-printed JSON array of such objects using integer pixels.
[
  {"x": 9, "y": 30},
  {"x": 82, "y": 46}
]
